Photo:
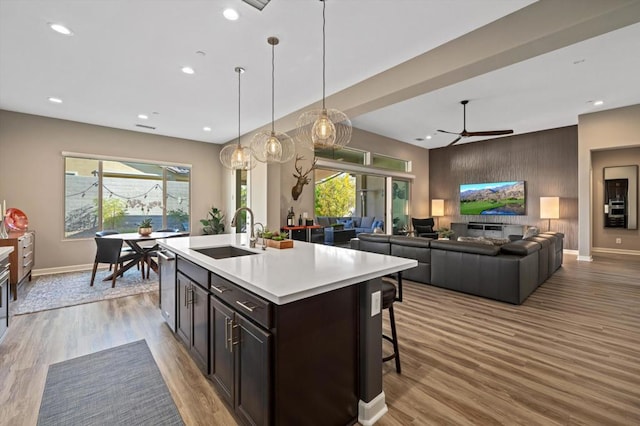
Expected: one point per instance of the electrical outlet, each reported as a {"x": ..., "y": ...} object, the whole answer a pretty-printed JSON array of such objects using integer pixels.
[
  {"x": 375, "y": 303},
  {"x": 618, "y": 240}
]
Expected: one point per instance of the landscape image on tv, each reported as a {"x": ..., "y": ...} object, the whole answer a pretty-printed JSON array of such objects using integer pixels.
[{"x": 494, "y": 198}]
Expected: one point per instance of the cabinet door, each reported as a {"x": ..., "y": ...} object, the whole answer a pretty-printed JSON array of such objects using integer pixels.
[
  {"x": 221, "y": 363},
  {"x": 200, "y": 330},
  {"x": 252, "y": 347},
  {"x": 183, "y": 326}
]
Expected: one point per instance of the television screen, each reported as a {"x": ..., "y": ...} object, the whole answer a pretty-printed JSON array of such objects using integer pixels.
[{"x": 494, "y": 198}]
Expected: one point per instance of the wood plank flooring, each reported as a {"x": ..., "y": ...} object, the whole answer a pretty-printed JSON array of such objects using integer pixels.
[{"x": 568, "y": 356}]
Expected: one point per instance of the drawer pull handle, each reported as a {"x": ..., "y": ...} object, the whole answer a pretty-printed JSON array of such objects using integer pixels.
[
  {"x": 221, "y": 289},
  {"x": 246, "y": 305}
]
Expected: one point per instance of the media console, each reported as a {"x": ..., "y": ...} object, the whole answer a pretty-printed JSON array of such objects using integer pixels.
[{"x": 487, "y": 229}]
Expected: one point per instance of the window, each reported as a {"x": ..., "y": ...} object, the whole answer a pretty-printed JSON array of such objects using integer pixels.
[
  {"x": 348, "y": 155},
  {"x": 385, "y": 162},
  {"x": 114, "y": 194}
]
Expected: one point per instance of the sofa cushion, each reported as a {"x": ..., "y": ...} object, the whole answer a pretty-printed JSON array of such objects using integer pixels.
[
  {"x": 465, "y": 247},
  {"x": 356, "y": 221},
  {"x": 410, "y": 241},
  {"x": 332, "y": 220},
  {"x": 520, "y": 247},
  {"x": 366, "y": 222},
  {"x": 348, "y": 223}
]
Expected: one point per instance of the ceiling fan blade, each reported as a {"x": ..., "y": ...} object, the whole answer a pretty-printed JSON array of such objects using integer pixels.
[
  {"x": 456, "y": 140},
  {"x": 451, "y": 133},
  {"x": 490, "y": 133}
]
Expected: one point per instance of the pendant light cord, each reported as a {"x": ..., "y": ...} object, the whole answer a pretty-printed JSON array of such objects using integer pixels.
[
  {"x": 273, "y": 84},
  {"x": 324, "y": 5},
  {"x": 239, "y": 72}
]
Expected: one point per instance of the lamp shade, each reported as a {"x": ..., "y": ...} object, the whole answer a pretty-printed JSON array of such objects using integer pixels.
[
  {"x": 549, "y": 207},
  {"x": 437, "y": 207}
]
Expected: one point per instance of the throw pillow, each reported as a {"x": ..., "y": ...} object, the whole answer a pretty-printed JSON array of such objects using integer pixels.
[
  {"x": 378, "y": 231},
  {"x": 366, "y": 222},
  {"x": 478, "y": 240},
  {"x": 498, "y": 241},
  {"x": 531, "y": 231},
  {"x": 323, "y": 221}
]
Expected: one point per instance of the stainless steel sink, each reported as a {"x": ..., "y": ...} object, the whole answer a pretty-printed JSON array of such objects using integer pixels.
[{"x": 224, "y": 252}]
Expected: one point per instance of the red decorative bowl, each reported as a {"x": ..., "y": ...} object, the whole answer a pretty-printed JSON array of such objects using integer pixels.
[{"x": 17, "y": 220}]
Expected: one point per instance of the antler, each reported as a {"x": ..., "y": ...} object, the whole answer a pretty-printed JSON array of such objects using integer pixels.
[{"x": 299, "y": 169}]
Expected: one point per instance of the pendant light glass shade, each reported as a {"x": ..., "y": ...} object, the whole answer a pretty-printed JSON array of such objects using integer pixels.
[
  {"x": 236, "y": 156},
  {"x": 272, "y": 146},
  {"x": 326, "y": 127}
]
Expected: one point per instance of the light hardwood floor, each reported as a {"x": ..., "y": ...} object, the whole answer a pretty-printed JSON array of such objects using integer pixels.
[{"x": 568, "y": 356}]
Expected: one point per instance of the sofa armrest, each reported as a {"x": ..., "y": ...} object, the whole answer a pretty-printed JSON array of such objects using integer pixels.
[{"x": 520, "y": 247}]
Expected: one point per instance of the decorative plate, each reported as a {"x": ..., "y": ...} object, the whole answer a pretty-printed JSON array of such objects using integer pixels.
[{"x": 17, "y": 220}]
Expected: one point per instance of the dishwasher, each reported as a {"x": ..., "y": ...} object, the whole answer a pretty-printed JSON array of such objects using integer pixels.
[{"x": 167, "y": 262}]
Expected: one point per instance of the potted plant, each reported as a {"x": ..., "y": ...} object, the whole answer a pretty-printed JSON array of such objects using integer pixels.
[
  {"x": 279, "y": 240},
  {"x": 146, "y": 227},
  {"x": 444, "y": 233},
  {"x": 214, "y": 223}
]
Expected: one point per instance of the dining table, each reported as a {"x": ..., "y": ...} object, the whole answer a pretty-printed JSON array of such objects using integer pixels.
[{"x": 144, "y": 252}]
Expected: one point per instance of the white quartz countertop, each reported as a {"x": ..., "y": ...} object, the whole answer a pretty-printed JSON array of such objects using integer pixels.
[
  {"x": 286, "y": 275},
  {"x": 5, "y": 251}
]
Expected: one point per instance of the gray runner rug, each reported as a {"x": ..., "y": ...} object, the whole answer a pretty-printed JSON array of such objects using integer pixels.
[{"x": 117, "y": 386}]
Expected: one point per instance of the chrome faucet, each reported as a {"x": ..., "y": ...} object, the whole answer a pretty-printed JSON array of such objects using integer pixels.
[
  {"x": 252, "y": 236},
  {"x": 264, "y": 240}
]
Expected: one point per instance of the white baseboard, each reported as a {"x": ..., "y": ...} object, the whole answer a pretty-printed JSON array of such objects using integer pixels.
[
  {"x": 585, "y": 259},
  {"x": 370, "y": 412},
  {"x": 571, "y": 252},
  {"x": 615, "y": 251},
  {"x": 64, "y": 269}
]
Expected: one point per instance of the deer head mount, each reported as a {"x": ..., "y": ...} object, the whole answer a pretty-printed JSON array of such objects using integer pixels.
[{"x": 302, "y": 178}]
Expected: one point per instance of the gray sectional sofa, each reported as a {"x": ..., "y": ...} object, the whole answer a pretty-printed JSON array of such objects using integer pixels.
[{"x": 508, "y": 273}]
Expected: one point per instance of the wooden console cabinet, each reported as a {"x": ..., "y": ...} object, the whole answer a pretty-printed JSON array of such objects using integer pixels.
[
  {"x": 22, "y": 258},
  {"x": 487, "y": 230}
]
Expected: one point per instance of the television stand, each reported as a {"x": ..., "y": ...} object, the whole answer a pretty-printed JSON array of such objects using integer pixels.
[{"x": 487, "y": 229}]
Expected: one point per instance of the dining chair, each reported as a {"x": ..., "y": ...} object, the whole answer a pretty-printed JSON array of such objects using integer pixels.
[
  {"x": 109, "y": 250},
  {"x": 125, "y": 249}
]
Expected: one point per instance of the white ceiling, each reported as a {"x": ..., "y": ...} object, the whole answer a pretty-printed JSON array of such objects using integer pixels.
[{"x": 125, "y": 56}]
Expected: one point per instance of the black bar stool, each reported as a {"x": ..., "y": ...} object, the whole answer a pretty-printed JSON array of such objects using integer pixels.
[{"x": 388, "y": 297}]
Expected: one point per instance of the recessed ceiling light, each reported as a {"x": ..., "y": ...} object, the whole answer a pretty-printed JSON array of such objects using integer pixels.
[
  {"x": 55, "y": 100},
  {"x": 428, "y": 136},
  {"x": 188, "y": 70},
  {"x": 206, "y": 129},
  {"x": 143, "y": 116},
  {"x": 598, "y": 103},
  {"x": 59, "y": 28},
  {"x": 231, "y": 14}
]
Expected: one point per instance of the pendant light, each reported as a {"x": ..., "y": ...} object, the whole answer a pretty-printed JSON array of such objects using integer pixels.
[
  {"x": 324, "y": 128},
  {"x": 237, "y": 157},
  {"x": 272, "y": 147}
]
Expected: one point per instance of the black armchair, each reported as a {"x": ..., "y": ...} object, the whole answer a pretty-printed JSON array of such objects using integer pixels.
[{"x": 424, "y": 227}]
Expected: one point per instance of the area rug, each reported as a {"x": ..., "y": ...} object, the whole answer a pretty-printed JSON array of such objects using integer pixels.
[
  {"x": 57, "y": 291},
  {"x": 117, "y": 386}
]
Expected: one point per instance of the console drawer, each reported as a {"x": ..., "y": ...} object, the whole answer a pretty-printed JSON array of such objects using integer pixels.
[{"x": 241, "y": 300}]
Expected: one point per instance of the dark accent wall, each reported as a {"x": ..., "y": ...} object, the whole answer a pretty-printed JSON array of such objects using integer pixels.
[{"x": 547, "y": 161}]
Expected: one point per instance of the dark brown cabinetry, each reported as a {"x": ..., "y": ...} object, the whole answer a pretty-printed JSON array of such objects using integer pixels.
[
  {"x": 240, "y": 363},
  {"x": 4, "y": 296},
  {"x": 193, "y": 319}
]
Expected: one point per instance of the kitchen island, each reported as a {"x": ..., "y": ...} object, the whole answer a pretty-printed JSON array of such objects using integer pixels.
[{"x": 287, "y": 336}]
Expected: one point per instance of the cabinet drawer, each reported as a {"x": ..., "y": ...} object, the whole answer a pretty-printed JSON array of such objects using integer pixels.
[
  {"x": 241, "y": 300},
  {"x": 26, "y": 240},
  {"x": 193, "y": 271}
]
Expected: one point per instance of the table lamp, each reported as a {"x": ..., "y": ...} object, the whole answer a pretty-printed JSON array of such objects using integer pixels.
[{"x": 437, "y": 209}]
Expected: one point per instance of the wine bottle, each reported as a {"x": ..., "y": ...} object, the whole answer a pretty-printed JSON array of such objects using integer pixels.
[
  {"x": 290, "y": 217},
  {"x": 300, "y": 220}
]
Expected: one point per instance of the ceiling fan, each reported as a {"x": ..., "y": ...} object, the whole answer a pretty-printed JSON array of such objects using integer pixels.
[{"x": 465, "y": 134}]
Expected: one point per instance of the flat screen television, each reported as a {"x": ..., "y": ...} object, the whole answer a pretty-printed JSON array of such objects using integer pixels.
[{"x": 492, "y": 198}]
